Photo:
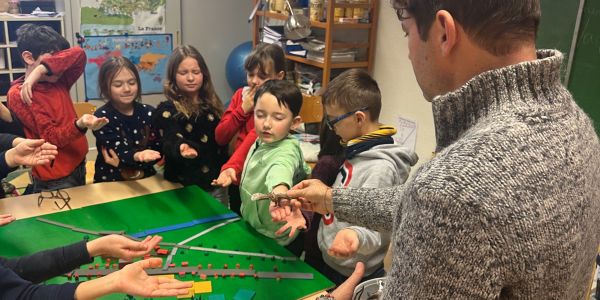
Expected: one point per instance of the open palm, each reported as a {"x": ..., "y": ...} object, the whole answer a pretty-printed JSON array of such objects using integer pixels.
[{"x": 134, "y": 280}]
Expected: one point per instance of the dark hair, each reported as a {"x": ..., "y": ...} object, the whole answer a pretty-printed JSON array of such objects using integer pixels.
[
  {"x": 208, "y": 97},
  {"x": 498, "y": 26},
  {"x": 287, "y": 94},
  {"x": 268, "y": 58},
  {"x": 329, "y": 141},
  {"x": 39, "y": 40},
  {"x": 109, "y": 69},
  {"x": 352, "y": 90}
]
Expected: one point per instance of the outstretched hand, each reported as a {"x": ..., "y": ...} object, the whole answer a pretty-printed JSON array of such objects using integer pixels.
[
  {"x": 121, "y": 247},
  {"x": 294, "y": 219},
  {"x": 31, "y": 153},
  {"x": 91, "y": 122},
  {"x": 226, "y": 178},
  {"x": 187, "y": 151},
  {"x": 147, "y": 155},
  {"x": 133, "y": 280},
  {"x": 345, "y": 243},
  {"x": 6, "y": 219}
]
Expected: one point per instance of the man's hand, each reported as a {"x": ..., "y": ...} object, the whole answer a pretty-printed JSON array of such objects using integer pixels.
[
  {"x": 248, "y": 98},
  {"x": 146, "y": 156},
  {"x": 226, "y": 178},
  {"x": 345, "y": 291},
  {"x": 6, "y": 219},
  {"x": 110, "y": 157},
  {"x": 31, "y": 153},
  {"x": 32, "y": 79},
  {"x": 187, "y": 151},
  {"x": 313, "y": 195},
  {"x": 121, "y": 247},
  {"x": 345, "y": 243},
  {"x": 91, "y": 122}
]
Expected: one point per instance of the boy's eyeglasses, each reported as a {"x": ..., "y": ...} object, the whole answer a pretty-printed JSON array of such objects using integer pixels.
[{"x": 331, "y": 123}]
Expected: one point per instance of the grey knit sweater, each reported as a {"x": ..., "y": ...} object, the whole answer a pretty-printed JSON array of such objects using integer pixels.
[{"x": 509, "y": 208}]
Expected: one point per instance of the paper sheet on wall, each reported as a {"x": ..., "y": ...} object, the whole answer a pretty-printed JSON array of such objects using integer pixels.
[
  {"x": 407, "y": 133},
  {"x": 114, "y": 17}
]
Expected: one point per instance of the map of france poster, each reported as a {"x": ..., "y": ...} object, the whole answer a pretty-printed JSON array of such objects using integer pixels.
[
  {"x": 116, "y": 17},
  {"x": 149, "y": 53}
]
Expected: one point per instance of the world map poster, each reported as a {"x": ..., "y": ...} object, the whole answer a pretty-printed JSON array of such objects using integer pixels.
[{"x": 149, "y": 53}]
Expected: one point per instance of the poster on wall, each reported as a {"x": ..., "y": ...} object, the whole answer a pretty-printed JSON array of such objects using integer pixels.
[
  {"x": 148, "y": 52},
  {"x": 118, "y": 17}
]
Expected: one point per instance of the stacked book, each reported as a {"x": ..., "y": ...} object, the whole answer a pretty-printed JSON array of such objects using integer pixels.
[{"x": 273, "y": 35}]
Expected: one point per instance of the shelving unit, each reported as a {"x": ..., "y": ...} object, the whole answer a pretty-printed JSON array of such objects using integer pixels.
[
  {"x": 312, "y": 111},
  {"x": 329, "y": 27},
  {"x": 13, "y": 67}
]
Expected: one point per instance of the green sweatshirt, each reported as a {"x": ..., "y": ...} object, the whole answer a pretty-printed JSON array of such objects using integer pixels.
[{"x": 267, "y": 166}]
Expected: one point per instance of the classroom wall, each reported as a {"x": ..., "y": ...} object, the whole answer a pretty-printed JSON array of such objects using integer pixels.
[
  {"x": 401, "y": 95},
  {"x": 215, "y": 28}
]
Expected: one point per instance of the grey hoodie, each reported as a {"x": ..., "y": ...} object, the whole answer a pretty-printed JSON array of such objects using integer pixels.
[{"x": 381, "y": 166}]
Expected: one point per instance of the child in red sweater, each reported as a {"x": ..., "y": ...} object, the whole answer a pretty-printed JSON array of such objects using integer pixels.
[
  {"x": 266, "y": 62},
  {"x": 41, "y": 101}
]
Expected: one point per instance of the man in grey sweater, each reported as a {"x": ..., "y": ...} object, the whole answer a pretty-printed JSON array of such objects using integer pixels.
[{"x": 509, "y": 208}]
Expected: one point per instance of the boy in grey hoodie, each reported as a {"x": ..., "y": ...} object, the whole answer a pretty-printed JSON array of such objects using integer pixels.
[{"x": 352, "y": 103}]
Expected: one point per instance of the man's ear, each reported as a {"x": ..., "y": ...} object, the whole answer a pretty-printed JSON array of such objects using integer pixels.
[
  {"x": 28, "y": 58},
  {"x": 447, "y": 31},
  {"x": 296, "y": 121}
]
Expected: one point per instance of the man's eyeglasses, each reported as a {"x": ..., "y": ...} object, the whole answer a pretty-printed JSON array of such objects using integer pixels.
[
  {"x": 56, "y": 194},
  {"x": 331, "y": 123}
]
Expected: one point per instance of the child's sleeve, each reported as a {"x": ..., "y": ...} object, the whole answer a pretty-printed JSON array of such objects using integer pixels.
[
  {"x": 237, "y": 159},
  {"x": 232, "y": 121},
  {"x": 37, "y": 116},
  {"x": 282, "y": 168},
  {"x": 69, "y": 62}
]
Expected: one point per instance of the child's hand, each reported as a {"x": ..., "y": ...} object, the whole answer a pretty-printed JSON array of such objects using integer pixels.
[
  {"x": 295, "y": 220},
  {"x": 226, "y": 178},
  {"x": 146, "y": 156},
  {"x": 345, "y": 243},
  {"x": 187, "y": 151},
  {"x": 248, "y": 98},
  {"x": 110, "y": 157},
  {"x": 6, "y": 219},
  {"x": 32, "y": 79},
  {"x": 91, "y": 122},
  {"x": 121, "y": 247}
]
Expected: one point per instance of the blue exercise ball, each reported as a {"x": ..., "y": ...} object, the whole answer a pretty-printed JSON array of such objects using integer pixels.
[{"x": 234, "y": 67}]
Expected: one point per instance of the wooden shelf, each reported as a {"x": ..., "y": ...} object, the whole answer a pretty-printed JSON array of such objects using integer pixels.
[
  {"x": 316, "y": 24},
  {"x": 352, "y": 5},
  {"x": 350, "y": 45},
  {"x": 305, "y": 61}
]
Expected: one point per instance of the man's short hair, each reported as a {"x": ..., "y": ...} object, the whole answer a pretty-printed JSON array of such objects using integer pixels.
[
  {"x": 498, "y": 26},
  {"x": 40, "y": 40},
  {"x": 352, "y": 90},
  {"x": 287, "y": 94}
]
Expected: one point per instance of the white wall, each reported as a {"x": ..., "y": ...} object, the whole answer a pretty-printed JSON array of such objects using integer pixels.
[
  {"x": 215, "y": 27},
  {"x": 401, "y": 95}
]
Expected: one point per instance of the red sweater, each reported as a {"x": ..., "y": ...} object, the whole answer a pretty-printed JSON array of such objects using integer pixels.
[
  {"x": 234, "y": 121},
  {"x": 52, "y": 115}
]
